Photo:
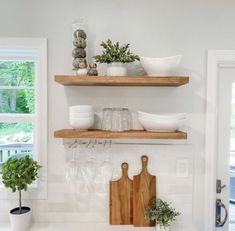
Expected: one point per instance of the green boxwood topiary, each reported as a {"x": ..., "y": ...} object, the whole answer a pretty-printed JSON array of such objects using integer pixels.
[
  {"x": 113, "y": 52},
  {"x": 18, "y": 173}
]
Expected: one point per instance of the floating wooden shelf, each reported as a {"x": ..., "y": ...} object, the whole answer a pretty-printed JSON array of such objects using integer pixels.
[
  {"x": 133, "y": 134},
  {"x": 169, "y": 81}
]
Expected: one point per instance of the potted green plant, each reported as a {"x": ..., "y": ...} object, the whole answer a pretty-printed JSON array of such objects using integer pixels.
[
  {"x": 161, "y": 212},
  {"x": 116, "y": 56},
  {"x": 17, "y": 174}
]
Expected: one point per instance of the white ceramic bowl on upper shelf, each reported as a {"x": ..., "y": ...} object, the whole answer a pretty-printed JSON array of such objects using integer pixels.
[{"x": 166, "y": 66}]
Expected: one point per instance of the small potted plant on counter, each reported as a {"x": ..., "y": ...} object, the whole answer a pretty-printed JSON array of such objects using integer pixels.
[
  {"x": 116, "y": 56},
  {"x": 161, "y": 212},
  {"x": 17, "y": 174}
]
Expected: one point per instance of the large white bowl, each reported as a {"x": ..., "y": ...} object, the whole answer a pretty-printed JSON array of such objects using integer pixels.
[
  {"x": 81, "y": 123},
  {"x": 161, "y": 66},
  {"x": 171, "y": 116},
  {"x": 81, "y": 108},
  {"x": 161, "y": 125},
  {"x": 82, "y": 114}
]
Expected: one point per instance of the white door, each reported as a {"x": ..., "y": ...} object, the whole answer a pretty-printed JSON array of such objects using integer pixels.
[{"x": 225, "y": 171}]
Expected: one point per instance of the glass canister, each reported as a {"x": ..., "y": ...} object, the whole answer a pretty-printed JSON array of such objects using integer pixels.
[{"x": 79, "y": 53}]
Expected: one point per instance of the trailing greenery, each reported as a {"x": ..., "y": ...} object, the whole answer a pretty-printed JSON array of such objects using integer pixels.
[
  {"x": 18, "y": 173},
  {"x": 114, "y": 52},
  {"x": 161, "y": 212}
]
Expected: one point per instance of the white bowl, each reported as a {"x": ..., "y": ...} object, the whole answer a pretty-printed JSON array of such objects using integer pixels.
[
  {"x": 81, "y": 114},
  {"x": 161, "y": 66},
  {"x": 81, "y": 123},
  {"x": 162, "y": 116},
  {"x": 161, "y": 125},
  {"x": 76, "y": 117},
  {"x": 81, "y": 108}
]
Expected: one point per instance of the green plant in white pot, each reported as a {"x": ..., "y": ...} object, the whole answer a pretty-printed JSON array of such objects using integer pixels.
[
  {"x": 161, "y": 212},
  {"x": 17, "y": 174},
  {"x": 116, "y": 56}
]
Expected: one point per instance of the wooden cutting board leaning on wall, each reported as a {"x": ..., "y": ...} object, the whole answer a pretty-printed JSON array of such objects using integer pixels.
[
  {"x": 144, "y": 192},
  {"x": 121, "y": 199}
]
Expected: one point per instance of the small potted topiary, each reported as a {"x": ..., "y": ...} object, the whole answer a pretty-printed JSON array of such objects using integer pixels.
[
  {"x": 116, "y": 56},
  {"x": 161, "y": 212},
  {"x": 17, "y": 174}
]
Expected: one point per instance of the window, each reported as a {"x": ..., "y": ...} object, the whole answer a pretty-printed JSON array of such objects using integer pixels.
[{"x": 23, "y": 100}]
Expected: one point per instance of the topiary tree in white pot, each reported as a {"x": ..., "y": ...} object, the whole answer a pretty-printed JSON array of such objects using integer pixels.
[{"x": 17, "y": 174}]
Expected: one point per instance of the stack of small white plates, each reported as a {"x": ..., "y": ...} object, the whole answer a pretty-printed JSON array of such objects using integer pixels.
[
  {"x": 81, "y": 117},
  {"x": 161, "y": 122}
]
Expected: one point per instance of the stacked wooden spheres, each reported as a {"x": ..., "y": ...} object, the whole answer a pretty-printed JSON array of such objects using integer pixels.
[{"x": 79, "y": 52}]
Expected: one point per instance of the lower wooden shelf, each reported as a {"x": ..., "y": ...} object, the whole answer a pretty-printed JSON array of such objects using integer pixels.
[{"x": 133, "y": 134}]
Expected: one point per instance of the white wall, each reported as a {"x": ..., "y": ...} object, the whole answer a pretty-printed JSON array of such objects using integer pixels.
[{"x": 154, "y": 28}]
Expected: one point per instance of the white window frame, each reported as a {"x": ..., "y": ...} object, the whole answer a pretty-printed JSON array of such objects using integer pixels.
[
  {"x": 39, "y": 118},
  {"x": 216, "y": 59}
]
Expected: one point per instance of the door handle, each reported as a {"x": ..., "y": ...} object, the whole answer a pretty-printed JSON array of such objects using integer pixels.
[{"x": 220, "y": 205}]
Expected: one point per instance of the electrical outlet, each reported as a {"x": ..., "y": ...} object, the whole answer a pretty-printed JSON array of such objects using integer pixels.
[{"x": 182, "y": 168}]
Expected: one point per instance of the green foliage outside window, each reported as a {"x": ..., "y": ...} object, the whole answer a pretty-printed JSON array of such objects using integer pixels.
[{"x": 17, "y": 73}]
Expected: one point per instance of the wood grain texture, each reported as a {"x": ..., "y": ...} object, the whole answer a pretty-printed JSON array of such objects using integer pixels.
[
  {"x": 144, "y": 192},
  {"x": 169, "y": 81},
  {"x": 121, "y": 199},
  {"x": 133, "y": 134}
]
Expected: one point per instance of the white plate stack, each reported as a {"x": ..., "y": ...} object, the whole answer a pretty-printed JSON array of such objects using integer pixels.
[
  {"x": 161, "y": 122},
  {"x": 81, "y": 117}
]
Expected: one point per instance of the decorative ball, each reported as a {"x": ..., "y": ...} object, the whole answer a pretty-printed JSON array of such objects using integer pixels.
[
  {"x": 79, "y": 42},
  {"x": 82, "y": 65},
  {"x": 79, "y": 53},
  {"x": 93, "y": 65},
  {"x": 75, "y": 63},
  {"x": 79, "y": 33}
]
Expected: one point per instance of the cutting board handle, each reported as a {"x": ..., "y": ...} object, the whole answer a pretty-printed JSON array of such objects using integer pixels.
[
  {"x": 144, "y": 160},
  {"x": 125, "y": 170}
]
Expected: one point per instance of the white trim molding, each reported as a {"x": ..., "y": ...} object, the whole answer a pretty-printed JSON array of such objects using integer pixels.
[
  {"x": 31, "y": 49},
  {"x": 216, "y": 59}
]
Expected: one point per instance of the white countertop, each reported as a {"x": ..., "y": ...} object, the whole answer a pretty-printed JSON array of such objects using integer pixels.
[{"x": 87, "y": 227}]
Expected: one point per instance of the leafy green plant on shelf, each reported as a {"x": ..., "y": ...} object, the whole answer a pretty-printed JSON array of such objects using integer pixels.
[
  {"x": 115, "y": 53},
  {"x": 161, "y": 212}
]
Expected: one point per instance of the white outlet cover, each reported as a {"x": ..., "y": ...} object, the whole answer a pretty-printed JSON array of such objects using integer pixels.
[{"x": 182, "y": 168}]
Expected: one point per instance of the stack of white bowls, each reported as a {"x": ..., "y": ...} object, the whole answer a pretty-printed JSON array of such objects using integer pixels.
[
  {"x": 161, "y": 122},
  {"x": 81, "y": 117}
]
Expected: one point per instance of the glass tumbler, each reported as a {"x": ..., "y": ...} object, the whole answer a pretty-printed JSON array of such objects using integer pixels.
[
  {"x": 117, "y": 120},
  {"x": 126, "y": 119},
  {"x": 107, "y": 119}
]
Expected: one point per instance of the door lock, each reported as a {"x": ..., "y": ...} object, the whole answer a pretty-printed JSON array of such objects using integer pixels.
[{"x": 219, "y": 186}]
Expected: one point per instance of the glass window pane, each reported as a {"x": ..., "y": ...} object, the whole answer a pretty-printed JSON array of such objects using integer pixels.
[
  {"x": 15, "y": 139},
  {"x": 17, "y": 101},
  {"x": 17, "y": 73}
]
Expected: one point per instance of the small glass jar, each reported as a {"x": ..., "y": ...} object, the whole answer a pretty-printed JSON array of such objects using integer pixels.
[
  {"x": 117, "y": 120},
  {"x": 126, "y": 119},
  {"x": 106, "y": 124}
]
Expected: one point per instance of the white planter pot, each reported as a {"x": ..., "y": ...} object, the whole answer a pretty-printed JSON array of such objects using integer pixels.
[
  {"x": 162, "y": 229},
  {"x": 20, "y": 222},
  {"x": 116, "y": 69}
]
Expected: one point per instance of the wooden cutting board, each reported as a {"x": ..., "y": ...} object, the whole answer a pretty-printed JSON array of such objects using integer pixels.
[
  {"x": 144, "y": 192},
  {"x": 121, "y": 199}
]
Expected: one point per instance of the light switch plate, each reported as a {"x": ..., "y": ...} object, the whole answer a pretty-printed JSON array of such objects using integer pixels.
[{"x": 182, "y": 168}]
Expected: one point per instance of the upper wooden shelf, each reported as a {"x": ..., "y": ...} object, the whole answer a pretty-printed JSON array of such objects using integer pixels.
[
  {"x": 168, "y": 81},
  {"x": 133, "y": 134}
]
